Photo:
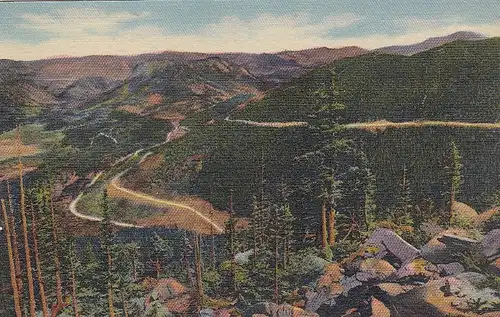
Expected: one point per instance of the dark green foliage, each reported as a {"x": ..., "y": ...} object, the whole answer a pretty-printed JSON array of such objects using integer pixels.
[
  {"x": 458, "y": 81},
  {"x": 91, "y": 140}
]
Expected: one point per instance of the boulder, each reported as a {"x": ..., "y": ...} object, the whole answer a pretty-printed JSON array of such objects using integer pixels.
[
  {"x": 209, "y": 312},
  {"x": 379, "y": 309},
  {"x": 438, "y": 251},
  {"x": 392, "y": 289},
  {"x": 311, "y": 268},
  {"x": 243, "y": 258},
  {"x": 431, "y": 229},
  {"x": 486, "y": 216},
  {"x": 388, "y": 241},
  {"x": 495, "y": 266},
  {"x": 349, "y": 283},
  {"x": 490, "y": 245},
  {"x": 353, "y": 312},
  {"x": 331, "y": 279},
  {"x": 284, "y": 310},
  {"x": 453, "y": 268},
  {"x": 316, "y": 299},
  {"x": 457, "y": 242},
  {"x": 171, "y": 294},
  {"x": 374, "y": 270},
  {"x": 447, "y": 296},
  {"x": 417, "y": 269},
  {"x": 463, "y": 211}
]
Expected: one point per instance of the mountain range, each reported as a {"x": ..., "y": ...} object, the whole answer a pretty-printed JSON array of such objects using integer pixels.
[{"x": 166, "y": 83}]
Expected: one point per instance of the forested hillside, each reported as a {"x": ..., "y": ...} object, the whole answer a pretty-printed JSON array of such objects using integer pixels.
[{"x": 454, "y": 82}]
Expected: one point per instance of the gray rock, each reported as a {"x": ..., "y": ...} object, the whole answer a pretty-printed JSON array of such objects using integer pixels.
[
  {"x": 388, "y": 240},
  {"x": 447, "y": 246},
  {"x": 453, "y": 268},
  {"x": 490, "y": 246},
  {"x": 206, "y": 312},
  {"x": 314, "y": 300},
  {"x": 418, "y": 268},
  {"x": 393, "y": 289},
  {"x": 456, "y": 242},
  {"x": 348, "y": 283},
  {"x": 447, "y": 296},
  {"x": 284, "y": 310},
  {"x": 243, "y": 257}
]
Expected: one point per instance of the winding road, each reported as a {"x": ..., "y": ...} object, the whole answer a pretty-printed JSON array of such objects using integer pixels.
[
  {"x": 72, "y": 209},
  {"x": 270, "y": 124},
  {"x": 115, "y": 183}
]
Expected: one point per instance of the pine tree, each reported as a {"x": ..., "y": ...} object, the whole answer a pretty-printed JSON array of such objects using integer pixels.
[
  {"x": 160, "y": 252},
  {"x": 74, "y": 264},
  {"x": 231, "y": 247},
  {"x": 13, "y": 278},
  {"x": 24, "y": 222},
  {"x": 55, "y": 241},
  {"x": 107, "y": 242},
  {"x": 330, "y": 195},
  {"x": 198, "y": 271},
  {"x": 405, "y": 193},
  {"x": 369, "y": 207},
  {"x": 455, "y": 175},
  {"x": 38, "y": 264},
  {"x": 287, "y": 233}
]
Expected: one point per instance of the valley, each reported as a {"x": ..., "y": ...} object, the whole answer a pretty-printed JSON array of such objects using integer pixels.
[{"x": 320, "y": 182}]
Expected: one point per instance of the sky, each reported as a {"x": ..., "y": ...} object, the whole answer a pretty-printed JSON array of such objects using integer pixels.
[{"x": 36, "y": 30}]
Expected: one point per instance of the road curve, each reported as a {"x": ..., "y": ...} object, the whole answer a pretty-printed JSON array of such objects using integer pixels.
[
  {"x": 285, "y": 124},
  {"x": 72, "y": 209},
  {"x": 115, "y": 183},
  {"x": 168, "y": 203}
]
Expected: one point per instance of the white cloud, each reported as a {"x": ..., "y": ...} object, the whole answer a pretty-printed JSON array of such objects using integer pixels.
[
  {"x": 78, "y": 33},
  {"x": 78, "y": 22}
]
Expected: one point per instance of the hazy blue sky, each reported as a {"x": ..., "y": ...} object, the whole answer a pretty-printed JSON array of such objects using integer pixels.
[{"x": 37, "y": 30}]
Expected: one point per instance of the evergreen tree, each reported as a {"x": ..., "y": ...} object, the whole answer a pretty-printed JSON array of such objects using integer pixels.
[
  {"x": 38, "y": 264},
  {"x": 107, "y": 238},
  {"x": 369, "y": 203},
  {"x": 74, "y": 267},
  {"x": 454, "y": 174},
  {"x": 160, "y": 253},
  {"x": 24, "y": 223}
]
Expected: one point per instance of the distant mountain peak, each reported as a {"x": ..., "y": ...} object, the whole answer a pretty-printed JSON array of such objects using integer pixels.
[{"x": 431, "y": 43}]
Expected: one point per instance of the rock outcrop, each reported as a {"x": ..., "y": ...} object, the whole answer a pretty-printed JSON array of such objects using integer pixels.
[{"x": 390, "y": 277}]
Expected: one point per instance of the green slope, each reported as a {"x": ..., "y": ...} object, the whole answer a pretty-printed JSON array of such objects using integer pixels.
[{"x": 455, "y": 82}]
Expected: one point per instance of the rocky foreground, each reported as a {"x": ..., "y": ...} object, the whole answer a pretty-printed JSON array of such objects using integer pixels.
[{"x": 451, "y": 275}]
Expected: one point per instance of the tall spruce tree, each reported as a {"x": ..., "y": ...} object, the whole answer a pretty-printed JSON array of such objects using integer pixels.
[
  {"x": 454, "y": 175},
  {"x": 107, "y": 238}
]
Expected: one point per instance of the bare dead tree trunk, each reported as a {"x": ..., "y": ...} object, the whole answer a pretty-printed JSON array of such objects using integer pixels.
[
  {"x": 331, "y": 227},
  {"x": 157, "y": 268},
  {"x": 324, "y": 232},
  {"x": 110, "y": 285},
  {"x": 199, "y": 279},
  {"x": 74, "y": 298},
  {"x": 276, "y": 259},
  {"x": 57, "y": 262},
  {"x": 124, "y": 304},
  {"x": 38, "y": 265},
  {"x": 31, "y": 288},
  {"x": 13, "y": 279},
  {"x": 15, "y": 245}
]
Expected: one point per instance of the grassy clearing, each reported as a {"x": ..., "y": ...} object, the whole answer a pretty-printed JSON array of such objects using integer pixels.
[{"x": 35, "y": 140}]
